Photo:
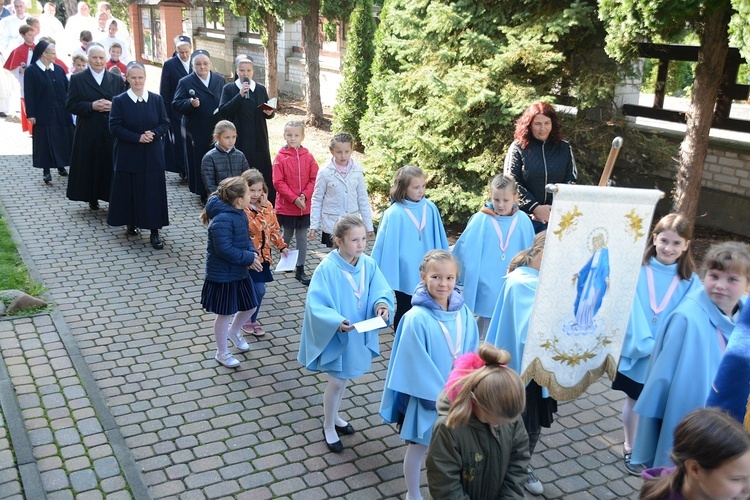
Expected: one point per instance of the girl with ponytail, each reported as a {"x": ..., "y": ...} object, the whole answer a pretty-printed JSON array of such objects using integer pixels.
[{"x": 479, "y": 447}]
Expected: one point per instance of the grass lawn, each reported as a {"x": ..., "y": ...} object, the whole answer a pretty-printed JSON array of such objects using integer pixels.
[{"x": 13, "y": 272}]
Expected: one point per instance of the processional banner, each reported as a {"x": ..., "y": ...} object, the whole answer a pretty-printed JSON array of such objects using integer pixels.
[{"x": 592, "y": 257}]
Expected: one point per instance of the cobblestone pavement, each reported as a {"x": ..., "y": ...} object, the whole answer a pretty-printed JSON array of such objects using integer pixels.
[{"x": 120, "y": 397}]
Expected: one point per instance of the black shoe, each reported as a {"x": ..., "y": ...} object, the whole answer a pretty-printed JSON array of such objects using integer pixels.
[
  {"x": 47, "y": 178},
  {"x": 133, "y": 231},
  {"x": 299, "y": 275},
  {"x": 346, "y": 430},
  {"x": 156, "y": 241},
  {"x": 336, "y": 447},
  {"x": 62, "y": 172},
  {"x": 204, "y": 199},
  {"x": 94, "y": 205}
]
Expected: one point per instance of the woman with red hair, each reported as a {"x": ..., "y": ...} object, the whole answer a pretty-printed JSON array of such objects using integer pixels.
[{"x": 537, "y": 157}]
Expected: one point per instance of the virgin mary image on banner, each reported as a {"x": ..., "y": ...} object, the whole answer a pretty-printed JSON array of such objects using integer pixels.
[
  {"x": 587, "y": 280},
  {"x": 591, "y": 282}
]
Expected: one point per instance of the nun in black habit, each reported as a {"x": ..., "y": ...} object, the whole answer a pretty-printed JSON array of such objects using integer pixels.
[
  {"x": 90, "y": 99},
  {"x": 197, "y": 99},
  {"x": 138, "y": 121},
  {"x": 175, "y": 68},
  {"x": 239, "y": 104},
  {"x": 46, "y": 90}
]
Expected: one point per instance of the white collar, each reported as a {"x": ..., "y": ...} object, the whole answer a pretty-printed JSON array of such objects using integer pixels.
[
  {"x": 205, "y": 82},
  {"x": 43, "y": 67},
  {"x": 134, "y": 97},
  {"x": 185, "y": 64},
  {"x": 239, "y": 84},
  {"x": 99, "y": 77}
]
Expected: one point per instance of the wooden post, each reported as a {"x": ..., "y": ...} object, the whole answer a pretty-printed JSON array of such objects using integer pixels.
[{"x": 611, "y": 159}]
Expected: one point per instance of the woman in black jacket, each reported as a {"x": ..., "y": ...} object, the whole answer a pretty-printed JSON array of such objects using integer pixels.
[{"x": 537, "y": 157}]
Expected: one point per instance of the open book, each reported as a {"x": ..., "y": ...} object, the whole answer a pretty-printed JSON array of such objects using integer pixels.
[{"x": 271, "y": 104}]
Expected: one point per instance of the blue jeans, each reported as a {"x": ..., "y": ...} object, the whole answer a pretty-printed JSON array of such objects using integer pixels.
[{"x": 260, "y": 290}]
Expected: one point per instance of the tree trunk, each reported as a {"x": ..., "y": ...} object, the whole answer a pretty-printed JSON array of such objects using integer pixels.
[
  {"x": 312, "y": 65},
  {"x": 711, "y": 57},
  {"x": 71, "y": 8},
  {"x": 272, "y": 53}
]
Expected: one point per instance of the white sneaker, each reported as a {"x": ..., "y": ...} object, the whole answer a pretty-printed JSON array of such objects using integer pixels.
[
  {"x": 533, "y": 485},
  {"x": 239, "y": 342},
  {"x": 227, "y": 360}
]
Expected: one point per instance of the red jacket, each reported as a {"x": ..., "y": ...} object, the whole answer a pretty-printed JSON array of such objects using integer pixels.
[{"x": 294, "y": 173}]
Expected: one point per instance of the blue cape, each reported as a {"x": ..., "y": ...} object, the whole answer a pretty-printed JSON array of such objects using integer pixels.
[
  {"x": 683, "y": 366},
  {"x": 642, "y": 331},
  {"x": 331, "y": 300},
  {"x": 419, "y": 367},
  {"x": 478, "y": 252},
  {"x": 398, "y": 249},
  {"x": 731, "y": 387},
  {"x": 510, "y": 321}
]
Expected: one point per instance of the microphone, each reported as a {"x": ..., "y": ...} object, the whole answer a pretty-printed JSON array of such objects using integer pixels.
[
  {"x": 191, "y": 93},
  {"x": 246, "y": 80}
]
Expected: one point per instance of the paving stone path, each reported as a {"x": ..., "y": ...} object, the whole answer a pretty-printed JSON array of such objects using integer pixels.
[{"x": 115, "y": 393}]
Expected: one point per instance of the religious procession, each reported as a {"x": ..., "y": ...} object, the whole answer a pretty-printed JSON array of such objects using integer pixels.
[{"x": 541, "y": 295}]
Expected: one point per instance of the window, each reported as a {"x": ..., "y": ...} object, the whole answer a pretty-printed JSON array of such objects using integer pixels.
[{"x": 151, "y": 34}]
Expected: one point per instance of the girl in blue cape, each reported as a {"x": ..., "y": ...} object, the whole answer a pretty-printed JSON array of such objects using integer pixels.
[
  {"x": 346, "y": 288},
  {"x": 508, "y": 329},
  {"x": 666, "y": 276},
  {"x": 436, "y": 330},
  {"x": 409, "y": 229},
  {"x": 491, "y": 238},
  {"x": 688, "y": 351}
]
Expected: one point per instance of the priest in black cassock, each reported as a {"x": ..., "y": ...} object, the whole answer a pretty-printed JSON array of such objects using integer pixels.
[
  {"x": 90, "y": 99},
  {"x": 46, "y": 89},
  {"x": 239, "y": 104},
  {"x": 138, "y": 121},
  {"x": 197, "y": 99},
  {"x": 175, "y": 68}
]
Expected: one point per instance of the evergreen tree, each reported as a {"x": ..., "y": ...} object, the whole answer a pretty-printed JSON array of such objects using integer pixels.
[
  {"x": 451, "y": 77},
  {"x": 351, "y": 100}
]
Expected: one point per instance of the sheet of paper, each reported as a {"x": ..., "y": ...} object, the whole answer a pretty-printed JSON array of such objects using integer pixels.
[
  {"x": 368, "y": 325},
  {"x": 287, "y": 263}
]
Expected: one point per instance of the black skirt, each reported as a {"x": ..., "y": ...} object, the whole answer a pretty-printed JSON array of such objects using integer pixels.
[
  {"x": 293, "y": 221},
  {"x": 539, "y": 411},
  {"x": 227, "y": 298},
  {"x": 326, "y": 239},
  {"x": 264, "y": 276},
  {"x": 627, "y": 385},
  {"x": 139, "y": 199}
]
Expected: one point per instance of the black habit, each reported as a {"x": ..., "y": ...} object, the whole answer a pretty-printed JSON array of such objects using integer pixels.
[
  {"x": 252, "y": 131},
  {"x": 45, "y": 93},
  {"x": 174, "y": 150},
  {"x": 139, "y": 188},
  {"x": 91, "y": 161},
  {"x": 198, "y": 123}
]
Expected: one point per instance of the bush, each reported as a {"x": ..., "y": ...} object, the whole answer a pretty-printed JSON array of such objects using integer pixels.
[{"x": 450, "y": 78}]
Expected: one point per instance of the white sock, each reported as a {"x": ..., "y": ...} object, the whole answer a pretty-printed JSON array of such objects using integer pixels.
[
  {"x": 331, "y": 400},
  {"x": 221, "y": 327},
  {"x": 630, "y": 423},
  {"x": 413, "y": 457}
]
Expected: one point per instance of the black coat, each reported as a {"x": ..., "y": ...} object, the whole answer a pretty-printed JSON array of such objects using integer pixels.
[
  {"x": 252, "y": 131},
  {"x": 174, "y": 150},
  {"x": 198, "y": 123},
  {"x": 139, "y": 190},
  {"x": 45, "y": 93},
  {"x": 91, "y": 160}
]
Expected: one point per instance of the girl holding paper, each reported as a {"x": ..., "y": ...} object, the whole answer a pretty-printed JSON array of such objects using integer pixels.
[
  {"x": 346, "y": 288},
  {"x": 264, "y": 231}
]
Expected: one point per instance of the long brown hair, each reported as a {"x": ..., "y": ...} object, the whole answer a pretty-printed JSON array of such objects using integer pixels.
[
  {"x": 491, "y": 386},
  {"x": 707, "y": 435},
  {"x": 682, "y": 227},
  {"x": 523, "y": 132},
  {"x": 523, "y": 258},
  {"x": 401, "y": 181},
  {"x": 230, "y": 190}
]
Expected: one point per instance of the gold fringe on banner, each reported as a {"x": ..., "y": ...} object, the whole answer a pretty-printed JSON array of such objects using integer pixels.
[{"x": 562, "y": 393}]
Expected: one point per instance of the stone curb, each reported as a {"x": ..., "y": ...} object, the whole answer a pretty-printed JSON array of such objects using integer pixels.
[{"x": 16, "y": 427}]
